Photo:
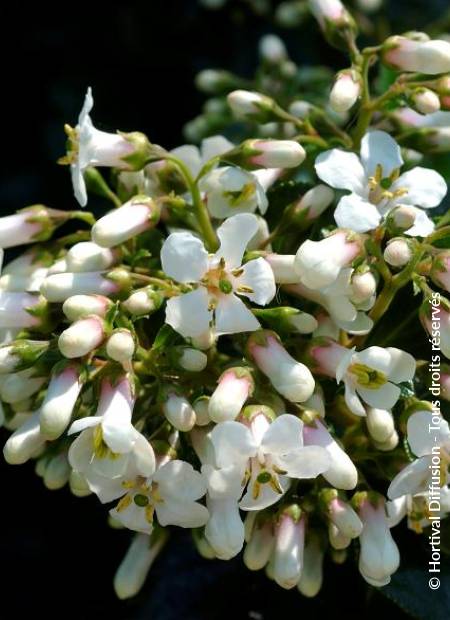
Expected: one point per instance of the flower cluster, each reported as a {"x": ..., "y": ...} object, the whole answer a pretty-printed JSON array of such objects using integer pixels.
[{"x": 220, "y": 351}]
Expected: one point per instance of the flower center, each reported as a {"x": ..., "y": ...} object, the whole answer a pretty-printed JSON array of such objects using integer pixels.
[
  {"x": 101, "y": 449},
  {"x": 237, "y": 197},
  {"x": 368, "y": 377},
  {"x": 380, "y": 186},
  {"x": 72, "y": 146},
  {"x": 268, "y": 474},
  {"x": 143, "y": 495}
]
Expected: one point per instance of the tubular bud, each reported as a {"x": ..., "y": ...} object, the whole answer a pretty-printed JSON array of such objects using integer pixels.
[
  {"x": 88, "y": 256},
  {"x": 59, "y": 402},
  {"x": 81, "y": 306},
  {"x": 234, "y": 387},
  {"x": 179, "y": 412},
  {"x": 60, "y": 286},
  {"x": 404, "y": 54},
  {"x": 82, "y": 337}
]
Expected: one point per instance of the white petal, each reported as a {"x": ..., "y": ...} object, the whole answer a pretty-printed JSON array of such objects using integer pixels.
[
  {"x": 233, "y": 317},
  {"x": 384, "y": 397},
  {"x": 379, "y": 148},
  {"x": 284, "y": 435},
  {"x": 78, "y": 183},
  {"x": 133, "y": 517},
  {"x": 190, "y": 155},
  {"x": 412, "y": 479},
  {"x": 224, "y": 530},
  {"x": 423, "y": 225},
  {"x": 258, "y": 275},
  {"x": 179, "y": 479},
  {"x": 308, "y": 462},
  {"x": 81, "y": 451},
  {"x": 360, "y": 326},
  {"x": 402, "y": 365},
  {"x": 83, "y": 423},
  {"x": 111, "y": 467},
  {"x": 352, "y": 401},
  {"x": 234, "y": 235},
  {"x": 181, "y": 513},
  {"x": 426, "y": 187},
  {"x": 396, "y": 510},
  {"x": 183, "y": 257},
  {"x": 188, "y": 314},
  {"x": 356, "y": 213},
  {"x": 420, "y": 438},
  {"x": 118, "y": 433},
  {"x": 215, "y": 145},
  {"x": 342, "y": 170},
  {"x": 143, "y": 456},
  {"x": 233, "y": 443},
  {"x": 225, "y": 482}
]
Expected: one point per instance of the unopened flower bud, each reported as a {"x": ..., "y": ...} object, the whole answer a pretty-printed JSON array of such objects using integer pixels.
[
  {"x": 88, "y": 256},
  {"x": 133, "y": 569},
  {"x": 318, "y": 263},
  {"x": 424, "y": 101},
  {"x": 24, "y": 442},
  {"x": 405, "y": 54},
  {"x": 215, "y": 81},
  {"x": 179, "y": 412},
  {"x": 346, "y": 90},
  {"x": 35, "y": 223},
  {"x": 191, "y": 360},
  {"x": 143, "y": 301},
  {"x": 80, "y": 306},
  {"x": 120, "y": 347},
  {"x": 363, "y": 285},
  {"x": 57, "y": 472},
  {"x": 300, "y": 109},
  {"x": 272, "y": 49},
  {"x": 22, "y": 310},
  {"x": 20, "y": 385},
  {"x": 82, "y": 337},
  {"x": 401, "y": 219},
  {"x": 338, "y": 540},
  {"x": 59, "y": 287},
  {"x": 78, "y": 485},
  {"x": 390, "y": 444},
  {"x": 290, "y": 378},
  {"x": 288, "y": 549},
  {"x": 342, "y": 473},
  {"x": 341, "y": 514},
  {"x": 313, "y": 204},
  {"x": 303, "y": 322},
  {"x": 268, "y": 154},
  {"x": 134, "y": 217},
  {"x": 201, "y": 408},
  {"x": 312, "y": 573},
  {"x": 259, "y": 546},
  {"x": 397, "y": 253},
  {"x": 234, "y": 387},
  {"x": 334, "y": 20},
  {"x": 59, "y": 402},
  {"x": 380, "y": 424},
  {"x": 21, "y": 354},
  {"x": 250, "y": 105},
  {"x": 440, "y": 270}
]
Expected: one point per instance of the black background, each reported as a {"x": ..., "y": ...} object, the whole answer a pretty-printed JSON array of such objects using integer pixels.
[{"x": 58, "y": 555}]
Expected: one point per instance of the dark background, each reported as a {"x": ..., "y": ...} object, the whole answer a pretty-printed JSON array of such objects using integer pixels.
[{"x": 58, "y": 555}]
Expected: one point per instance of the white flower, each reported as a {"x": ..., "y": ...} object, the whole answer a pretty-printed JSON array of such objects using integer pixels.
[
  {"x": 230, "y": 190},
  {"x": 376, "y": 184},
  {"x": 425, "y": 437},
  {"x": 272, "y": 453},
  {"x": 370, "y": 375},
  {"x": 109, "y": 448},
  {"x": 379, "y": 557},
  {"x": 171, "y": 493},
  {"x": 218, "y": 277},
  {"x": 195, "y": 158},
  {"x": 91, "y": 147}
]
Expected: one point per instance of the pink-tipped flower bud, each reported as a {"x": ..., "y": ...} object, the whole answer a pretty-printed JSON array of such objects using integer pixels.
[
  {"x": 59, "y": 402},
  {"x": 363, "y": 286},
  {"x": 341, "y": 514},
  {"x": 379, "y": 557},
  {"x": 275, "y": 153},
  {"x": 288, "y": 548},
  {"x": 290, "y": 378},
  {"x": 179, "y": 412},
  {"x": 397, "y": 253},
  {"x": 234, "y": 387},
  {"x": 318, "y": 263},
  {"x": 134, "y": 217},
  {"x": 334, "y": 20},
  {"x": 249, "y": 105},
  {"x": 338, "y": 540},
  {"x": 82, "y": 337},
  {"x": 404, "y": 54},
  {"x": 58, "y": 287},
  {"x": 346, "y": 90},
  {"x": 81, "y": 306},
  {"x": 313, "y": 204},
  {"x": 342, "y": 473},
  {"x": 424, "y": 101},
  {"x": 20, "y": 386},
  {"x": 143, "y": 301},
  {"x": 21, "y": 310},
  {"x": 29, "y": 225}
]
